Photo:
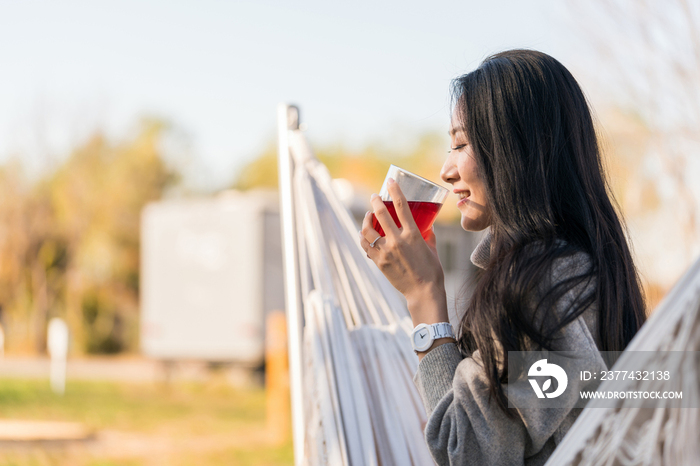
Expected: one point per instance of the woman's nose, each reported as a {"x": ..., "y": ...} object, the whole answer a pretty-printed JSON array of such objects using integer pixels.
[{"x": 449, "y": 173}]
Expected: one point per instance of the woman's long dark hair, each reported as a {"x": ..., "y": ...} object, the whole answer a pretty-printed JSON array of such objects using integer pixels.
[{"x": 535, "y": 146}]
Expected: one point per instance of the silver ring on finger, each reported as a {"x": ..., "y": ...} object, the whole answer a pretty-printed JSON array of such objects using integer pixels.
[{"x": 371, "y": 245}]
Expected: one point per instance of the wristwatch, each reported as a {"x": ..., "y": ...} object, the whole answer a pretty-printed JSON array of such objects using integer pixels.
[{"x": 424, "y": 335}]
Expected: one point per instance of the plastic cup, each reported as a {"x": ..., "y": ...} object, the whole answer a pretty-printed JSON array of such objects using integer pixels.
[{"x": 424, "y": 197}]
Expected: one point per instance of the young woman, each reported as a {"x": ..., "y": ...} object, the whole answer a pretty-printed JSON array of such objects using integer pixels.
[{"x": 557, "y": 271}]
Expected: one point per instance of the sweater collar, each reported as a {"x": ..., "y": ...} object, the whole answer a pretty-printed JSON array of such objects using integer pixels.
[{"x": 482, "y": 253}]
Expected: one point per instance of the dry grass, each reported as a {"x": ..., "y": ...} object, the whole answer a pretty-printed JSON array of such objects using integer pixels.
[{"x": 144, "y": 424}]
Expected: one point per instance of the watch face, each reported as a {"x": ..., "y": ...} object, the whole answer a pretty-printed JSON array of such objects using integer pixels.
[{"x": 422, "y": 339}]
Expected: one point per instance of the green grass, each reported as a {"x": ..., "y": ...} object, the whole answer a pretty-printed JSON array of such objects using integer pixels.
[{"x": 142, "y": 424}]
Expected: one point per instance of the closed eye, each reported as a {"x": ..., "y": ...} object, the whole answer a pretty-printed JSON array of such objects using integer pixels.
[{"x": 459, "y": 147}]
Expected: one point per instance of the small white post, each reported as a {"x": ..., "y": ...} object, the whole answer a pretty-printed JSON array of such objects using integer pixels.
[{"x": 57, "y": 343}]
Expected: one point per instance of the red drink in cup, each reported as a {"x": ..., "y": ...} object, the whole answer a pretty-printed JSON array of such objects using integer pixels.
[
  {"x": 424, "y": 198},
  {"x": 424, "y": 214}
]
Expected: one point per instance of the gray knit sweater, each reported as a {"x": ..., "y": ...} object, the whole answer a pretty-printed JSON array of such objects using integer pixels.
[{"x": 466, "y": 428}]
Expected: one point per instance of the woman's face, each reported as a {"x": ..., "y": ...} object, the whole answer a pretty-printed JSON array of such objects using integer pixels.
[{"x": 460, "y": 171}]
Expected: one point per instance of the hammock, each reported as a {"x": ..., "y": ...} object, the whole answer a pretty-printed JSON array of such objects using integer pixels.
[
  {"x": 351, "y": 362},
  {"x": 630, "y": 436}
]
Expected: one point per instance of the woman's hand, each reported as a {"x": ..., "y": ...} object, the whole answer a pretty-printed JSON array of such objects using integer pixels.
[{"x": 409, "y": 262}]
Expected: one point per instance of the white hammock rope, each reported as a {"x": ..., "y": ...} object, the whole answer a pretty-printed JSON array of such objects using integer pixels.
[
  {"x": 360, "y": 405},
  {"x": 631, "y": 436}
]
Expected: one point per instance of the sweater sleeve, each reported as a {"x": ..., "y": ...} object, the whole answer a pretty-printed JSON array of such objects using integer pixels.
[{"x": 466, "y": 427}]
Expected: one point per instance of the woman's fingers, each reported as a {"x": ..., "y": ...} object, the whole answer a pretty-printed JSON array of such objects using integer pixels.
[
  {"x": 403, "y": 211},
  {"x": 383, "y": 216},
  {"x": 364, "y": 244},
  {"x": 368, "y": 235}
]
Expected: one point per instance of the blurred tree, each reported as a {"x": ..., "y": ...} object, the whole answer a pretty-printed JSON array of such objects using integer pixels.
[
  {"x": 365, "y": 168},
  {"x": 70, "y": 242},
  {"x": 261, "y": 172},
  {"x": 15, "y": 246},
  {"x": 645, "y": 60}
]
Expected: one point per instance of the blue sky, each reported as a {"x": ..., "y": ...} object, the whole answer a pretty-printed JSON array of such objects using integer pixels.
[{"x": 361, "y": 71}]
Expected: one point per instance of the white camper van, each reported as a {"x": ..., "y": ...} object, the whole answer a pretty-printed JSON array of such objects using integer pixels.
[{"x": 210, "y": 271}]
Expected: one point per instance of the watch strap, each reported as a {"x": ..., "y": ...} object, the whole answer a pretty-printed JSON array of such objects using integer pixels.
[{"x": 441, "y": 330}]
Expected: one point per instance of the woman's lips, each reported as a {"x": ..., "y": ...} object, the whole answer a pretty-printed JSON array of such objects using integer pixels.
[{"x": 463, "y": 197}]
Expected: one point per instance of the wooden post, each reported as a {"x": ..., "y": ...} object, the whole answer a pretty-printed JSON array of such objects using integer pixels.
[{"x": 277, "y": 379}]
